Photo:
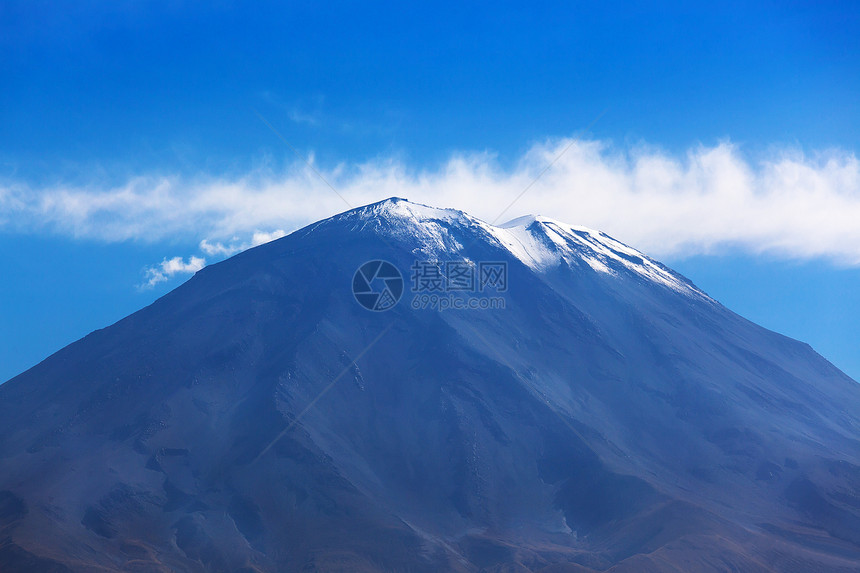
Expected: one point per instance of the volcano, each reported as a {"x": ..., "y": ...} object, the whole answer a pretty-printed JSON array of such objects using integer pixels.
[{"x": 576, "y": 407}]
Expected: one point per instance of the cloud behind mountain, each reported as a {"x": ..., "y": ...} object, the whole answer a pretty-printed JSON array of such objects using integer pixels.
[{"x": 708, "y": 199}]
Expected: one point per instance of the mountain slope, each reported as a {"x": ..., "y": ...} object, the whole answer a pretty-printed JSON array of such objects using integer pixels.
[{"x": 610, "y": 417}]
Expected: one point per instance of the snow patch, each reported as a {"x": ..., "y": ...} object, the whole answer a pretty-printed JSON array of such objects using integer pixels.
[{"x": 541, "y": 243}]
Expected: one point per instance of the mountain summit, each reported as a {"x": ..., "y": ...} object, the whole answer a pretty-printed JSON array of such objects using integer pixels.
[
  {"x": 404, "y": 388},
  {"x": 538, "y": 242}
]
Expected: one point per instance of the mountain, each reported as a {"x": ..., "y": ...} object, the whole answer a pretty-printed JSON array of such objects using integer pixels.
[{"x": 587, "y": 410}]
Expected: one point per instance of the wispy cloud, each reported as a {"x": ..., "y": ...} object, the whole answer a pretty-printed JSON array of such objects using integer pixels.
[
  {"x": 308, "y": 111},
  {"x": 299, "y": 116},
  {"x": 235, "y": 245},
  {"x": 168, "y": 268},
  {"x": 789, "y": 203}
]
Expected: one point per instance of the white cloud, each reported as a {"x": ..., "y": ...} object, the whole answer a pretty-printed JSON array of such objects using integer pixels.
[
  {"x": 168, "y": 268},
  {"x": 710, "y": 198},
  {"x": 216, "y": 248}
]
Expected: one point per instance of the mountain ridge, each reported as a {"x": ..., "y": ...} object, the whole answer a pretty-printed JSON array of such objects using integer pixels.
[{"x": 595, "y": 246}]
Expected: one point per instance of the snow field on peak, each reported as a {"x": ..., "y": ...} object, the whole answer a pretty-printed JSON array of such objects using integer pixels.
[{"x": 540, "y": 243}]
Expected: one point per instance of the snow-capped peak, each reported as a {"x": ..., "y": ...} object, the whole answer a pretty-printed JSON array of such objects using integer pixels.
[
  {"x": 428, "y": 227},
  {"x": 539, "y": 242},
  {"x": 598, "y": 250},
  {"x": 407, "y": 211}
]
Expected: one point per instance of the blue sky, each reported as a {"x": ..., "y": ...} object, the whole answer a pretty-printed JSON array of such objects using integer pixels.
[{"x": 725, "y": 146}]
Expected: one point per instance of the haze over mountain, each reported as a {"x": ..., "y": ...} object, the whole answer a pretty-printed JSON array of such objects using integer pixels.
[{"x": 610, "y": 417}]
